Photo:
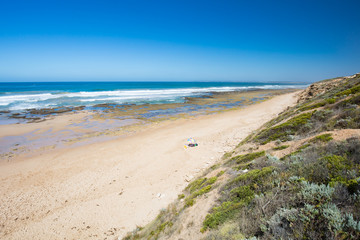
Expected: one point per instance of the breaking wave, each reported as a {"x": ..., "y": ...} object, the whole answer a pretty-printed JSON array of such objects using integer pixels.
[{"x": 21, "y": 101}]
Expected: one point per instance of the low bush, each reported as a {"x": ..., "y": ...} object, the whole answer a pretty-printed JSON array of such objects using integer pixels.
[
  {"x": 253, "y": 176},
  {"x": 280, "y": 147},
  {"x": 197, "y": 188},
  {"x": 220, "y": 214},
  {"x": 246, "y": 157},
  {"x": 283, "y": 130},
  {"x": 352, "y": 90},
  {"x": 321, "y": 138},
  {"x": 313, "y": 106}
]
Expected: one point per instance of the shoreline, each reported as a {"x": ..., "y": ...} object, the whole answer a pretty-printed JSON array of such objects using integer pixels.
[
  {"x": 36, "y": 115},
  {"x": 110, "y": 121},
  {"x": 105, "y": 189}
]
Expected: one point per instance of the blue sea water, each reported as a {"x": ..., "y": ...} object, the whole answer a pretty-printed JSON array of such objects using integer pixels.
[{"x": 17, "y": 96}]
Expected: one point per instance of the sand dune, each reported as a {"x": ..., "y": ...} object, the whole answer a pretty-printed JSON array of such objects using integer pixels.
[{"x": 104, "y": 190}]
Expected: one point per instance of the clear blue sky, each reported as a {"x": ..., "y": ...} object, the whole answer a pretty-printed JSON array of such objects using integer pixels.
[{"x": 221, "y": 40}]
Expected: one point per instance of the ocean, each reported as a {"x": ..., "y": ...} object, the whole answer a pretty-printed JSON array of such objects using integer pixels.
[{"x": 19, "y": 96}]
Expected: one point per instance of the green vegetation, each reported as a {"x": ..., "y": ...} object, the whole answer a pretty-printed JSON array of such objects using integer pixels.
[
  {"x": 160, "y": 229},
  {"x": 246, "y": 157},
  {"x": 227, "y": 155},
  {"x": 162, "y": 224},
  {"x": 239, "y": 192},
  {"x": 352, "y": 90},
  {"x": 197, "y": 188},
  {"x": 330, "y": 100},
  {"x": 200, "y": 183},
  {"x": 298, "y": 150},
  {"x": 254, "y": 176},
  {"x": 313, "y": 106},
  {"x": 181, "y": 196},
  {"x": 318, "y": 104},
  {"x": 349, "y": 118},
  {"x": 221, "y": 214},
  {"x": 283, "y": 130},
  {"x": 282, "y": 147},
  {"x": 322, "y": 138}
]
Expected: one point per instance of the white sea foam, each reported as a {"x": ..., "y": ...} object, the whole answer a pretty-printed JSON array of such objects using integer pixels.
[
  {"x": 8, "y": 99},
  {"x": 26, "y": 101}
]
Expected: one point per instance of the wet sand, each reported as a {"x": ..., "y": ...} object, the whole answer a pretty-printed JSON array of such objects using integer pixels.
[{"x": 104, "y": 189}]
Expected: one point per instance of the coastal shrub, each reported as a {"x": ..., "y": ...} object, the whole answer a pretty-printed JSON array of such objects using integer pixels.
[
  {"x": 351, "y": 102},
  {"x": 336, "y": 164},
  {"x": 227, "y": 155},
  {"x": 281, "y": 117},
  {"x": 351, "y": 227},
  {"x": 253, "y": 176},
  {"x": 220, "y": 173},
  {"x": 279, "y": 224},
  {"x": 272, "y": 159},
  {"x": 297, "y": 151},
  {"x": 323, "y": 115},
  {"x": 161, "y": 225},
  {"x": 323, "y": 165},
  {"x": 220, "y": 214},
  {"x": 228, "y": 231},
  {"x": 243, "y": 193},
  {"x": 195, "y": 185},
  {"x": 312, "y": 215},
  {"x": 348, "y": 118},
  {"x": 189, "y": 202},
  {"x": 201, "y": 191},
  {"x": 322, "y": 138},
  {"x": 350, "y": 147},
  {"x": 313, "y": 106},
  {"x": 283, "y": 130},
  {"x": 215, "y": 166},
  {"x": 316, "y": 218},
  {"x": 330, "y": 100},
  {"x": 354, "y": 100},
  {"x": 243, "y": 166},
  {"x": 313, "y": 193},
  {"x": 197, "y": 188},
  {"x": 282, "y": 147},
  {"x": 246, "y": 157},
  {"x": 352, "y": 90},
  {"x": 155, "y": 234},
  {"x": 238, "y": 192}
]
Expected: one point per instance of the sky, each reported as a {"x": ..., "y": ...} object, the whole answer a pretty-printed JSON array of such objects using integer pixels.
[{"x": 178, "y": 40}]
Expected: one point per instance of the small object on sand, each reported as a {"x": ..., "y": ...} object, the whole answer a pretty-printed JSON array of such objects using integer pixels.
[
  {"x": 191, "y": 142},
  {"x": 160, "y": 195}
]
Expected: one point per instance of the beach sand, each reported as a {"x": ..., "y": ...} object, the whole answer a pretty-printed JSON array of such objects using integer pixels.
[{"x": 105, "y": 189}]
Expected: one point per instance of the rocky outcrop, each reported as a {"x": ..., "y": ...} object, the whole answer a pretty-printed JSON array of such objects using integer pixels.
[{"x": 319, "y": 88}]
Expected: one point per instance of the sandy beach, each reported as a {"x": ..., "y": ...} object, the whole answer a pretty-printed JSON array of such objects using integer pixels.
[{"x": 105, "y": 189}]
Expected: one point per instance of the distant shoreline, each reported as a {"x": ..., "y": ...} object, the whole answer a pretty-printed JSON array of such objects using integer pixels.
[
  {"x": 68, "y": 127},
  {"x": 135, "y": 98},
  {"x": 18, "y": 97}
]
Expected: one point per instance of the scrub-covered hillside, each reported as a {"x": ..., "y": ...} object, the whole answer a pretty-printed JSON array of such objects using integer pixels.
[{"x": 298, "y": 177}]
